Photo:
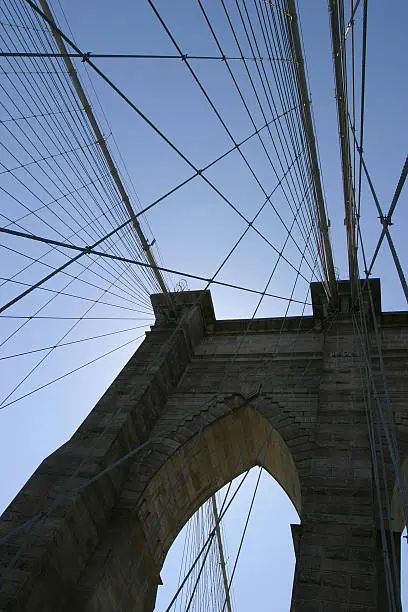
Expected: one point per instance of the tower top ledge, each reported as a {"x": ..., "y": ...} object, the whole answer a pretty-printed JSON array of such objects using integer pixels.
[{"x": 167, "y": 312}]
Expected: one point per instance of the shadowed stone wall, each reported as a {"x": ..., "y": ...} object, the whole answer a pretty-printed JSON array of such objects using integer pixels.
[{"x": 200, "y": 402}]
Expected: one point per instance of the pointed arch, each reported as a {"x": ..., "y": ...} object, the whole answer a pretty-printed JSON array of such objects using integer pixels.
[
  {"x": 204, "y": 463},
  {"x": 261, "y": 520},
  {"x": 165, "y": 488}
]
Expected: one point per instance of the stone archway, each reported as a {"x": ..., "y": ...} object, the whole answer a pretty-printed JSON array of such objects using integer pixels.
[
  {"x": 125, "y": 569},
  {"x": 206, "y": 462},
  {"x": 257, "y": 534}
]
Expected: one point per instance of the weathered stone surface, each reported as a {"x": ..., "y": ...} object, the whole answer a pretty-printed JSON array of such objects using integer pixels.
[{"x": 200, "y": 402}]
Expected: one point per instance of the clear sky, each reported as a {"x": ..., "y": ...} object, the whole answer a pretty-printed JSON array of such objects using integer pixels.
[{"x": 193, "y": 228}]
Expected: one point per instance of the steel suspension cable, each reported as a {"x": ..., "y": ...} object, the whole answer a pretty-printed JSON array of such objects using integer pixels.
[
  {"x": 362, "y": 105},
  {"x": 243, "y": 536},
  {"x": 90, "y": 54},
  {"x": 283, "y": 94}
]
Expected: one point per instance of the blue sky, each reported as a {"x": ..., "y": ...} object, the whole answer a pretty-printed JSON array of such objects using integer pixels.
[{"x": 193, "y": 228}]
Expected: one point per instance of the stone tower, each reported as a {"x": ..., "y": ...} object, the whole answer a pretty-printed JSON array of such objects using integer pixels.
[{"x": 200, "y": 402}]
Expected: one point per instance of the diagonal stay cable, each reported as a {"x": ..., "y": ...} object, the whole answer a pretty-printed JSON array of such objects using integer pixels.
[
  {"x": 62, "y": 344},
  {"x": 61, "y": 318},
  {"x": 53, "y": 201},
  {"x": 85, "y": 251},
  {"x": 90, "y": 251},
  {"x": 38, "y": 260},
  {"x": 69, "y": 372},
  {"x": 95, "y": 302},
  {"x": 388, "y": 217},
  {"x": 72, "y": 278},
  {"x": 381, "y": 216},
  {"x": 78, "y": 297},
  {"x": 243, "y": 536},
  {"x": 33, "y": 161}
]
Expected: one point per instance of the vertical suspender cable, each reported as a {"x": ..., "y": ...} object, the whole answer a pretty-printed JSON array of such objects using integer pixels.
[
  {"x": 337, "y": 35},
  {"x": 221, "y": 553}
]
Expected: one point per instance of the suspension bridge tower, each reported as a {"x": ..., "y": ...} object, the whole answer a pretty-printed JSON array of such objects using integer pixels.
[
  {"x": 318, "y": 401},
  {"x": 100, "y": 521}
]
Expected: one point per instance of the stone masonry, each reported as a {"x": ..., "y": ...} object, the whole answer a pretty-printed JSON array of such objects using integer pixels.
[{"x": 200, "y": 402}]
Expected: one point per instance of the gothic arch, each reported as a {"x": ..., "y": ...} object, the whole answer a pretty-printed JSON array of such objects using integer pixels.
[
  {"x": 206, "y": 462},
  {"x": 167, "y": 486}
]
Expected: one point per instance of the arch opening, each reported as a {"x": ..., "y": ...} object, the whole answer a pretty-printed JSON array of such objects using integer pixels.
[
  {"x": 202, "y": 464},
  {"x": 208, "y": 460},
  {"x": 165, "y": 488},
  {"x": 263, "y": 556}
]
